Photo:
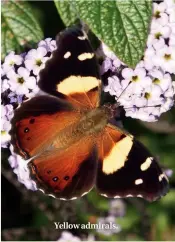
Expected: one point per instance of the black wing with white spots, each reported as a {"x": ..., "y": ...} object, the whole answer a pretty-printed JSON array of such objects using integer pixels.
[{"x": 135, "y": 173}]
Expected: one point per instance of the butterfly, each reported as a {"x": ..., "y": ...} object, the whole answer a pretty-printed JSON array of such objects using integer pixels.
[{"x": 69, "y": 137}]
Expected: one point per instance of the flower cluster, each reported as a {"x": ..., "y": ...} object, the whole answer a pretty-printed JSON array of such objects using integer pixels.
[
  {"x": 148, "y": 90},
  {"x": 19, "y": 74}
]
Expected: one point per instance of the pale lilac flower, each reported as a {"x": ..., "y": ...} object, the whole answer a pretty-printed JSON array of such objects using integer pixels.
[
  {"x": 116, "y": 208},
  {"x": 108, "y": 226},
  {"x": 151, "y": 95},
  {"x": 7, "y": 112},
  {"x": 157, "y": 35},
  {"x": 4, "y": 85},
  {"x": 161, "y": 79},
  {"x": 107, "y": 52},
  {"x": 106, "y": 65},
  {"x": 21, "y": 82},
  {"x": 35, "y": 59},
  {"x": 165, "y": 58},
  {"x": 168, "y": 104},
  {"x": 159, "y": 13},
  {"x": 15, "y": 98},
  {"x": 49, "y": 44},
  {"x": 169, "y": 172},
  {"x": 20, "y": 168},
  {"x": 110, "y": 62},
  {"x": 170, "y": 9},
  {"x": 67, "y": 236},
  {"x": 5, "y": 128},
  {"x": 114, "y": 86},
  {"x": 172, "y": 40},
  {"x": 2, "y": 71},
  {"x": 10, "y": 60},
  {"x": 149, "y": 56},
  {"x": 136, "y": 78}
]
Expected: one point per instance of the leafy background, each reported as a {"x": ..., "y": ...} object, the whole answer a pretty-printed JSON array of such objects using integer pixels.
[{"x": 29, "y": 215}]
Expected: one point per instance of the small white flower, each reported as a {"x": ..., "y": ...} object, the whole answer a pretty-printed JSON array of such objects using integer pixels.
[
  {"x": 114, "y": 87},
  {"x": 170, "y": 10},
  {"x": 5, "y": 128},
  {"x": 10, "y": 60},
  {"x": 67, "y": 236},
  {"x": 106, "y": 65},
  {"x": 172, "y": 40},
  {"x": 7, "y": 112},
  {"x": 108, "y": 230},
  {"x": 48, "y": 44},
  {"x": 149, "y": 56},
  {"x": 169, "y": 172},
  {"x": 4, "y": 85},
  {"x": 116, "y": 208},
  {"x": 168, "y": 104},
  {"x": 35, "y": 60},
  {"x": 107, "y": 52},
  {"x": 33, "y": 92},
  {"x": 15, "y": 98},
  {"x": 135, "y": 78},
  {"x": 161, "y": 79},
  {"x": 151, "y": 95},
  {"x": 21, "y": 82},
  {"x": 20, "y": 168},
  {"x": 165, "y": 58},
  {"x": 159, "y": 14},
  {"x": 157, "y": 35}
]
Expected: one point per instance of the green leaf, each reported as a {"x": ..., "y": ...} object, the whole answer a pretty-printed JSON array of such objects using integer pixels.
[
  {"x": 66, "y": 11},
  {"x": 19, "y": 27},
  {"x": 121, "y": 25}
]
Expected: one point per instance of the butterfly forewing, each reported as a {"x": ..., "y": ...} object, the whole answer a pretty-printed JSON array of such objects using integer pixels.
[{"x": 72, "y": 70}]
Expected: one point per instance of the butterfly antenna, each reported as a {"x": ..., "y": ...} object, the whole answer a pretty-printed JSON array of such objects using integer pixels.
[
  {"x": 123, "y": 91},
  {"x": 153, "y": 106}
]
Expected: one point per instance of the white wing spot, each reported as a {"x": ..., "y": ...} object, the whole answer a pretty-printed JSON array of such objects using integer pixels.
[
  {"x": 82, "y": 37},
  {"x": 41, "y": 190},
  {"x": 104, "y": 195},
  {"x": 117, "y": 197},
  {"x": 85, "y": 56},
  {"x": 73, "y": 198},
  {"x": 63, "y": 199},
  {"x": 144, "y": 166},
  {"x": 138, "y": 181},
  {"x": 129, "y": 195},
  {"x": 139, "y": 195},
  {"x": 51, "y": 195},
  {"x": 67, "y": 55},
  {"x": 161, "y": 176},
  {"x": 84, "y": 194}
]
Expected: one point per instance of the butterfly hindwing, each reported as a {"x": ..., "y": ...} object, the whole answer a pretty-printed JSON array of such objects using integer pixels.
[
  {"x": 127, "y": 169},
  {"x": 72, "y": 70},
  {"x": 68, "y": 173}
]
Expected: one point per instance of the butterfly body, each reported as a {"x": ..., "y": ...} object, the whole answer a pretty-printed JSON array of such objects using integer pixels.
[{"x": 69, "y": 138}]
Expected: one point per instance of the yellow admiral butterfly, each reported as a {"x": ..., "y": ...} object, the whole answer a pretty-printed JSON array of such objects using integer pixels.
[{"x": 69, "y": 138}]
